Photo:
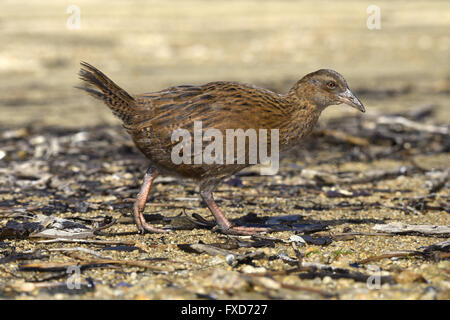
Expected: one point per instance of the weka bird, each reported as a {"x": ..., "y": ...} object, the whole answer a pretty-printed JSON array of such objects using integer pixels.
[{"x": 151, "y": 119}]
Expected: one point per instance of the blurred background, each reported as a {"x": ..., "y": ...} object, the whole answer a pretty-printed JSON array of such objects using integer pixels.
[{"x": 146, "y": 46}]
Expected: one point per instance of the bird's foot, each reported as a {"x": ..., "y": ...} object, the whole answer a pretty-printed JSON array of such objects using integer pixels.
[
  {"x": 243, "y": 231},
  {"x": 144, "y": 227}
]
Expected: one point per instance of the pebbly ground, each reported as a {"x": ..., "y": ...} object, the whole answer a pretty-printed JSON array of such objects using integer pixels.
[{"x": 324, "y": 202}]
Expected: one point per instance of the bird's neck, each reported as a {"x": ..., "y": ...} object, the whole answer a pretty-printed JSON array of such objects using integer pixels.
[{"x": 301, "y": 118}]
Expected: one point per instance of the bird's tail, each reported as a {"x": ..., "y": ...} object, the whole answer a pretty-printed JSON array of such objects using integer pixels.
[{"x": 122, "y": 104}]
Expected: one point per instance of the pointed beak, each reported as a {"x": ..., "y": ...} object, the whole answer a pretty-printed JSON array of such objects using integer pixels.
[{"x": 351, "y": 100}]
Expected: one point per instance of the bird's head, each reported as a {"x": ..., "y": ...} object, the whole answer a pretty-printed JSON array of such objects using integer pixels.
[{"x": 326, "y": 87}]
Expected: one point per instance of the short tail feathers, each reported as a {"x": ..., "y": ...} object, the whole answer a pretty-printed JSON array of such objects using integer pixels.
[{"x": 101, "y": 87}]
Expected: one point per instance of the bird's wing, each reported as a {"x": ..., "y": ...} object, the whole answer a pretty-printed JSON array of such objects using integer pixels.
[{"x": 220, "y": 105}]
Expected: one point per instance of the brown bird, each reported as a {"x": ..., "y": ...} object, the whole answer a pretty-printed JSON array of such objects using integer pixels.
[{"x": 152, "y": 118}]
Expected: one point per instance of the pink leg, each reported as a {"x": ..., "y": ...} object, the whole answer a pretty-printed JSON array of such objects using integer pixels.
[
  {"x": 139, "y": 204},
  {"x": 224, "y": 224}
]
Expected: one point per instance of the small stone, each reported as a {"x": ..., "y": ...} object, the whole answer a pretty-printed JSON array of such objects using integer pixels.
[
  {"x": 408, "y": 276},
  {"x": 251, "y": 269},
  {"x": 266, "y": 283},
  {"x": 37, "y": 140},
  {"x": 327, "y": 280},
  {"x": 297, "y": 239},
  {"x": 231, "y": 259}
]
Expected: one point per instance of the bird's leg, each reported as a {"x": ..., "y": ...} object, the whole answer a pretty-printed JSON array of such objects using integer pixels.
[
  {"x": 141, "y": 199},
  {"x": 224, "y": 224}
]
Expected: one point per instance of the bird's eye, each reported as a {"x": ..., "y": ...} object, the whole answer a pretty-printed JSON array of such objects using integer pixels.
[{"x": 331, "y": 84}]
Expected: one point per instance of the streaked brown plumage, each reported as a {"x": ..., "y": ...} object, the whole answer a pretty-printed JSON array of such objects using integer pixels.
[{"x": 151, "y": 118}]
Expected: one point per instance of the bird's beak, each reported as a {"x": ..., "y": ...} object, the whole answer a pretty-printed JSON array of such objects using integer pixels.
[{"x": 351, "y": 100}]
